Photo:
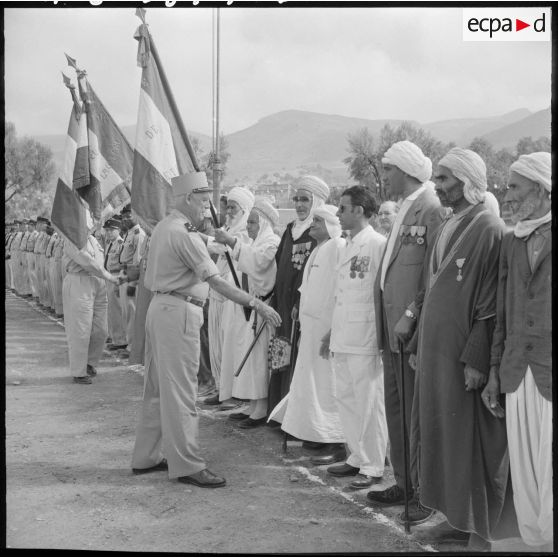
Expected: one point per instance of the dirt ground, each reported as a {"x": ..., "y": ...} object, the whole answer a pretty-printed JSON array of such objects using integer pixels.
[{"x": 70, "y": 486}]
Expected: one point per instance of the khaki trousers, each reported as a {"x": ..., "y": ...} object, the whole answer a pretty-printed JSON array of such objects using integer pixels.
[
  {"x": 24, "y": 286},
  {"x": 215, "y": 336},
  {"x": 359, "y": 394},
  {"x": 128, "y": 304},
  {"x": 116, "y": 329},
  {"x": 32, "y": 267},
  {"x": 168, "y": 420},
  {"x": 85, "y": 320}
]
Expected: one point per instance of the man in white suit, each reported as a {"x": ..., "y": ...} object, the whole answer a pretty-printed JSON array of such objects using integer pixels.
[{"x": 359, "y": 377}]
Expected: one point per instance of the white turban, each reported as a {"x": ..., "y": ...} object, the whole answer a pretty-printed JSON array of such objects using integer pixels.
[
  {"x": 329, "y": 214},
  {"x": 316, "y": 186},
  {"x": 491, "y": 203},
  {"x": 243, "y": 197},
  {"x": 408, "y": 157},
  {"x": 467, "y": 166},
  {"x": 264, "y": 208},
  {"x": 536, "y": 167}
]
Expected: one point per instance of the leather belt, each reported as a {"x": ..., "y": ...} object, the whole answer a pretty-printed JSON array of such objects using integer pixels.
[{"x": 186, "y": 298}]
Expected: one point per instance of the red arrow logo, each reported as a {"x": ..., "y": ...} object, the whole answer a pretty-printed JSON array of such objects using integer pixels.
[{"x": 519, "y": 25}]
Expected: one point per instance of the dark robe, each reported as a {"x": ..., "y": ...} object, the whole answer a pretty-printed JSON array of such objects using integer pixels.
[
  {"x": 463, "y": 463},
  {"x": 291, "y": 257}
]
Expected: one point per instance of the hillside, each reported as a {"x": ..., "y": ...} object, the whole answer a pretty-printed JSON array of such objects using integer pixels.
[{"x": 295, "y": 141}]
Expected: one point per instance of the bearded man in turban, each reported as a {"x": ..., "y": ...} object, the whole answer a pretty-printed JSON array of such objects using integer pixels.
[
  {"x": 292, "y": 255},
  {"x": 239, "y": 204},
  {"x": 463, "y": 460},
  {"x": 521, "y": 360},
  {"x": 407, "y": 175}
]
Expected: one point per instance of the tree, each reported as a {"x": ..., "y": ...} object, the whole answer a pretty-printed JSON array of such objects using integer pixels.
[
  {"x": 528, "y": 145},
  {"x": 362, "y": 162},
  {"x": 29, "y": 171}
]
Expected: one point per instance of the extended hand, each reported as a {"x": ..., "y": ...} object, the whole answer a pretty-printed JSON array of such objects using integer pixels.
[
  {"x": 268, "y": 314},
  {"x": 294, "y": 314},
  {"x": 224, "y": 237},
  {"x": 491, "y": 395},
  {"x": 413, "y": 361},
  {"x": 473, "y": 378}
]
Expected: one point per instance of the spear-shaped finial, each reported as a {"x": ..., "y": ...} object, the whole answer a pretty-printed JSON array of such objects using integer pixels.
[
  {"x": 72, "y": 62},
  {"x": 140, "y": 12},
  {"x": 67, "y": 81}
]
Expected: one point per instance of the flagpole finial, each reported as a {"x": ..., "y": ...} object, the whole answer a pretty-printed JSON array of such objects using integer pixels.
[
  {"x": 140, "y": 12},
  {"x": 67, "y": 81},
  {"x": 72, "y": 62}
]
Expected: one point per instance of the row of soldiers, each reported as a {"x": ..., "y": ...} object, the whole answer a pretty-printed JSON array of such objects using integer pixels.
[{"x": 34, "y": 269}]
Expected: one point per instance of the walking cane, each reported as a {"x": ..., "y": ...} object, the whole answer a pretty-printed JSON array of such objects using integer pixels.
[
  {"x": 404, "y": 437},
  {"x": 291, "y": 369},
  {"x": 250, "y": 349}
]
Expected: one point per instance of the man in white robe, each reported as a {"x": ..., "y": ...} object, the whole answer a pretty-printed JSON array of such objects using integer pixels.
[
  {"x": 309, "y": 411},
  {"x": 257, "y": 268},
  {"x": 239, "y": 204}
]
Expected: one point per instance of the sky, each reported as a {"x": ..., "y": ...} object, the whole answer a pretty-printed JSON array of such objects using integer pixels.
[{"x": 375, "y": 63}]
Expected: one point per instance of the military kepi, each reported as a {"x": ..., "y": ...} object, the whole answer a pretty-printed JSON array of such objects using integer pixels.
[
  {"x": 111, "y": 224},
  {"x": 190, "y": 183}
]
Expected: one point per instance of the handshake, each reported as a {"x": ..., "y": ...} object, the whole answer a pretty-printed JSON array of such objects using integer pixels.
[{"x": 126, "y": 276}]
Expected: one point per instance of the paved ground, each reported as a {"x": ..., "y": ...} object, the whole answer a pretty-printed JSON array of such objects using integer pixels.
[{"x": 69, "y": 483}]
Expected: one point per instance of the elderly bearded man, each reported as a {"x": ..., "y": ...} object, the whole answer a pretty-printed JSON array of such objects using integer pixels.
[
  {"x": 179, "y": 272},
  {"x": 463, "y": 460},
  {"x": 522, "y": 347},
  {"x": 407, "y": 175}
]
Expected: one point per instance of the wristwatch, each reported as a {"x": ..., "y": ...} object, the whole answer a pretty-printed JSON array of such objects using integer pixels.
[
  {"x": 410, "y": 315},
  {"x": 252, "y": 303}
]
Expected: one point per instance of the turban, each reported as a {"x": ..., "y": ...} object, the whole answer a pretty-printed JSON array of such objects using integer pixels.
[
  {"x": 491, "y": 203},
  {"x": 467, "y": 166},
  {"x": 243, "y": 197},
  {"x": 264, "y": 208},
  {"x": 329, "y": 214},
  {"x": 535, "y": 167},
  {"x": 408, "y": 157},
  {"x": 316, "y": 186}
]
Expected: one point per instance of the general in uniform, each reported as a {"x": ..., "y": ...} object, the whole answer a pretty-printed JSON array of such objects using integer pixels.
[{"x": 178, "y": 271}]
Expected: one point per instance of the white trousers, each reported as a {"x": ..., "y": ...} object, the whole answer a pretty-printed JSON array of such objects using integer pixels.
[
  {"x": 215, "y": 334},
  {"x": 359, "y": 383},
  {"x": 128, "y": 304},
  {"x": 529, "y": 428},
  {"x": 56, "y": 279},
  {"x": 85, "y": 320},
  {"x": 116, "y": 329},
  {"x": 168, "y": 420}
]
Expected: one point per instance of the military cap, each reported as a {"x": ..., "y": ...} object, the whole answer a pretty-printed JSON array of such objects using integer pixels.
[
  {"x": 25, "y": 221},
  {"x": 111, "y": 224},
  {"x": 42, "y": 220},
  {"x": 190, "y": 183},
  {"x": 32, "y": 221},
  {"x": 17, "y": 222}
]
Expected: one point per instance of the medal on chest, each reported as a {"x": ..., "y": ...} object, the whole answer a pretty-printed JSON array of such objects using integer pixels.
[
  {"x": 300, "y": 253},
  {"x": 459, "y": 263},
  {"x": 359, "y": 266}
]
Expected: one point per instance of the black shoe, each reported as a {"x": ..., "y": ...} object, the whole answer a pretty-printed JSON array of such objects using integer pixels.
[
  {"x": 214, "y": 400},
  {"x": 363, "y": 481},
  {"x": 251, "y": 423},
  {"x": 392, "y": 496},
  {"x": 329, "y": 458},
  {"x": 203, "y": 479},
  {"x": 313, "y": 445},
  {"x": 113, "y": 347},
  {"x": 418, "y": 514},
  {"x": 238, "y": 416},
  {"x": 443, "y": 533},
  {"x": 161, "y": 466},
  {"x": 91, "y": 371},
  {"x": 344, "y": 470},
  {"x": 82, "y": 380}
]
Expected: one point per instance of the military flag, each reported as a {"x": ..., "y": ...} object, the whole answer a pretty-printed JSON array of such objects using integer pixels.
[
  {"x": 69, "y": 212},
  {"x": 162, "y": 149}
]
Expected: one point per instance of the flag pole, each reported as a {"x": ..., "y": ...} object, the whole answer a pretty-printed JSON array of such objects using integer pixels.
[{"x": 216, "y": 147}]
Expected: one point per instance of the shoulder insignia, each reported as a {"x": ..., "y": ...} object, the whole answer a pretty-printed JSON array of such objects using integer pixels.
[{"x": 189, "y": 227}]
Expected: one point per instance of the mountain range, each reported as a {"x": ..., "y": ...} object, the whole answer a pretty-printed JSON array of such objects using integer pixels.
[{"x": 293, "y": 141}]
